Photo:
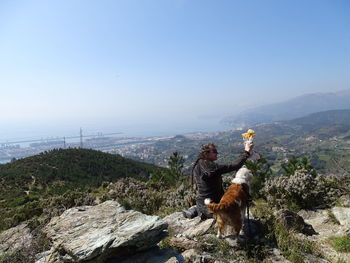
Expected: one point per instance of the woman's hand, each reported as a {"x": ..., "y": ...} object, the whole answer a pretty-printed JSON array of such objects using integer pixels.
[{"x": 248, "y": 146}]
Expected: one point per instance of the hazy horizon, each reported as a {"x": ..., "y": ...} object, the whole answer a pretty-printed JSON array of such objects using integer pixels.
[
  {"x": 162, "y": 67},
  {"x": 38, "y": 131}
]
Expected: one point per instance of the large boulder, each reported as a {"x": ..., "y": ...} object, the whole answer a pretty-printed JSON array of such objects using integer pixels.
[
  {"x": 14, "y": 238},
  {"x": 96, "y": 233}
]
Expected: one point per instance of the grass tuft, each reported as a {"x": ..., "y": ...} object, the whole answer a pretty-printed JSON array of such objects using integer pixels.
[{"x": 340, "y": 244}]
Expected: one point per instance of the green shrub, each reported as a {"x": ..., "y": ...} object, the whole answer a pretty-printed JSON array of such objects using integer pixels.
[
  {"x": 261, "y": 171},
  {"x": 340, "y": 244},
  {"x": 301, "y": 190}
]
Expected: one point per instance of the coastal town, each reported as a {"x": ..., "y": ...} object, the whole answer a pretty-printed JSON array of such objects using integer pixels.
[{"x": 124, "y": 146}]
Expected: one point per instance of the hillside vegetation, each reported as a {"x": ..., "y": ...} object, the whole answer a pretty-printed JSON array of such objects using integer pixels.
[{"x": 54, "y": 181}]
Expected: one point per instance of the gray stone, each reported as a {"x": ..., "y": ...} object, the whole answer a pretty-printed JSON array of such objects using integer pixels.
[
  {"x": 325, "y": 228},
  {"x": 342, "y": 214},
  {"x": 194, "y": 256},
  {"x": 43, "y": 256},
  {"x": 309, "y": 258},
  {"x": 233, "y": 242},
  {"x": 344, "y": 200},
  {"x": 15, "y": 238},
  {"x": 294, "y": 221},
  {"x": 95, "y": 233},
  {"x": 183, "y": 243},
  {"x": 154, "y": 255},
  {"x": 189, "y": 228},
  {"x": 275, "y": 256}
]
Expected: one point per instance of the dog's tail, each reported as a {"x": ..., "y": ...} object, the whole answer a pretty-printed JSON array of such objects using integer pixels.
[{"x": 213, "y": 207}]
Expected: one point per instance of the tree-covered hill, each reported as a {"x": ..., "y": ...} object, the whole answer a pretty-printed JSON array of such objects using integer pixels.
[
  {"x": 72, "y": 165},
  {"x": 58, "y": 177},
  {"x": 315, "y": 121}
]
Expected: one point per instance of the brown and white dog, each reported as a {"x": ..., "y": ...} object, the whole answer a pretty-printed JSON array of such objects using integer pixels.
[{"x": 231, "y": 209}]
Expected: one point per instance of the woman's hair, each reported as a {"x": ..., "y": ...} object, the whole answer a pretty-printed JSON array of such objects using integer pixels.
[{"x": 204, "y": 149}]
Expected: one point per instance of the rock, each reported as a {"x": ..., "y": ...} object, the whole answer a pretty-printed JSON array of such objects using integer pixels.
[
  {"x": 183, "y": 243},
  {"x": 194, "y": 256},
  {"x": 153, "y": 255},
  {"x": 344, "y": 200},
  {"x": 15, "y": 238},
  {"x": 315, "y": 216},
  {"x": 202, "y": 228},
  {"x": 325, "y": 228},
  {"x": 189, "y": 228},
  {"x": 309, "y": 258},
  {"x": 275, "y": 256},
  {"x": 233, "y": 242},
  {"x": 95, "y": 233},
  {"x": 294, "y": 221},
  {"x": 342, "y": 214},
  {"x": 43, "y": 256}
]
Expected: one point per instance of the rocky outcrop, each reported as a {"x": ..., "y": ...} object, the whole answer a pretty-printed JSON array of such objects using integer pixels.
[
  {"x": 107, "y": 233},
  {"x": 294, "y": 221},
  {"x": 15, "y": 238},
  {"x": 325, "y": 227},
  {"x": 96, "y": 233}
]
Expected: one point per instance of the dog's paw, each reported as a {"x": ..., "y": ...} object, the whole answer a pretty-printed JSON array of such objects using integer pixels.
[{"x": 207, "y": 201}]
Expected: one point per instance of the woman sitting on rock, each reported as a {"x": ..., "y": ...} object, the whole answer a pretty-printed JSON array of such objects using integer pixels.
[{"x": 208, "y": 177}]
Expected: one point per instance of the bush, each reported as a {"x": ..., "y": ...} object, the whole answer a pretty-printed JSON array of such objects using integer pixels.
[
  {"x": 301, "y": 190},
  {"x": 136, "y": 195},
  {"x": 261, "y": 171}
]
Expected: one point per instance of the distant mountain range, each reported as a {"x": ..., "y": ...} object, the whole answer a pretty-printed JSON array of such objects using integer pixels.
[
  {"x": 291, "y": 109},
  {"x": 315, "y": 121}
]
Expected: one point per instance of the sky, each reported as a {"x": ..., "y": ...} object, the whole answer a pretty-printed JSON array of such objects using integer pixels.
[{"x": 157, "y": 67}]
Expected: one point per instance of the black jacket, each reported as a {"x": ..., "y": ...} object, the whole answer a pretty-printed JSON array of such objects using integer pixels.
[{"x": 208, "y": 178}]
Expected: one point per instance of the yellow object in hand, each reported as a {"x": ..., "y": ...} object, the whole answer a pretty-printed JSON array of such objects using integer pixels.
[{"x": 249, "y": 134}]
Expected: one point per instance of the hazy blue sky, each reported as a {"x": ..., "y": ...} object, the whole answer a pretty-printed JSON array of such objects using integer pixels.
[{"x": 162, "y": 65}]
